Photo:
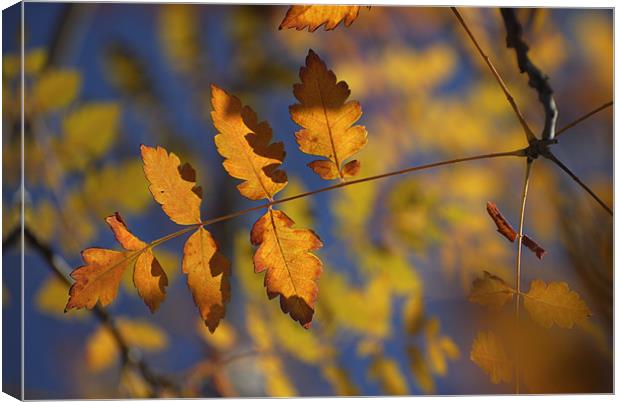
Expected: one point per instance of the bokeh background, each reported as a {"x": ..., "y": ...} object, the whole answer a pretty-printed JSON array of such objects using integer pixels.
[{"x": 400, "y": 254}]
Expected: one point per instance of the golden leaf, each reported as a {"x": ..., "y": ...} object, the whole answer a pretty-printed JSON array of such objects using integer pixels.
[
  {"x": 339, "y": 380},
  {"x": 440, "y": 348},
  {"x": 208, "y": 274},
  {"x": 223, "y": 339},
  {"x": 292, "y": 270},
  {"x": 301, "y": 16},
  {"x": 88, "y": 133},
  {"x": 148, "y": 275},
  {"x": 51, "y": 296},
  {"x": 491, "y": 291},
  {"x": 388, "y": 374},
  {"x": 101, "y": 347},
  {"x": 172, "y": 185},
  {"x": 304, "y": 345},
  {"x": 488, "y": 353},
  {"x": 327, "y": 120},
  {"x": 420, "y": 370},
  {"x": 34, "y": 61},
  {"x": 56, "y": 89},
  {"x": 555, "y": 303},
  {"x": 244, "y": 143},
  {"x": 99, "y": 279}
]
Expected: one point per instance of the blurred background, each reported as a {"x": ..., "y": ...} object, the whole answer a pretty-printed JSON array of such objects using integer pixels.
[{"x": 400, "y": 254}]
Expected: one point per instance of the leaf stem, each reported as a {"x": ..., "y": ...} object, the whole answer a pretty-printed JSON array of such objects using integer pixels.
[
  {"x": 528, "y": 132},
  {"x": 528, "y": 170}
]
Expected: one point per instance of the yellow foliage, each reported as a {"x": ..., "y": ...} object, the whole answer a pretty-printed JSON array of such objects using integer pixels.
[
  {"x": 223, "y": 339},
  {"x": 386, "y": 371},
  {"x": 55, "y": 89},
  {"x": 52, "y": 297},
  {"x": 102, "y": 350},
  {"x": 302, "y": 344},
  {"x": 491, "y": 291},
  {"x": 299, "y": 208},
  {"x": 488, "y": 353},
  {"x": 420, "y": 370},
  {"x": 555, "y": 303},
  {"x": 313, "y": 16},
  {"x": 34, "y": 61},
  {"x": 439, "y": 348},
  {"x": 339, "y": 380},
  {"x": 178, "y": 34}
]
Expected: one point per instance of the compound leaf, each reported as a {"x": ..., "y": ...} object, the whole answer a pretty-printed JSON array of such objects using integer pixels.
[
  {"x": 555, "y": 303},
  {"x": 172, "y": 185},
  {"x": 313, "y": 16},
  {"x": 491, "y": 291},
  {"x": 327, "y": 121},
  {"x": 488, "y": 353},
  {"x": 292, "y": 270},
  {"x": 244, "y": 143},
  {"x": 208, "y": 274}
]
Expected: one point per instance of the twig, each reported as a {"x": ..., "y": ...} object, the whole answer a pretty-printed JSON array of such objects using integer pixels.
[
  {"x": 528, "y": 132},
  {"x": 526, "y": 184},
  {"x": 537, "y": 79},
  {"x": 57, "y": 264},
  {"x": 582, "y": 118},
  {"x": 555, "y": 160}
]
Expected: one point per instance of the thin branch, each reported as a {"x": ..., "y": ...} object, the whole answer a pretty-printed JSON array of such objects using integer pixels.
[
  {"x": 562, "y": 166},
  {"x": 526, "y": 129},
  {"x": 526, "y": 184},
  {"x": 58, "y": 266},
  {"x": 584, "y": 117},
  {"x": 537, "y": 79}
]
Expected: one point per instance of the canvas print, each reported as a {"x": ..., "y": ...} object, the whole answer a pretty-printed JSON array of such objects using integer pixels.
[{"x": 228, "y": 200}]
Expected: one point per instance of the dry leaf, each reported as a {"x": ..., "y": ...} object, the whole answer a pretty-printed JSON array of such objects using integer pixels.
[
  {"x": 148, "y": 275},
  {"x": 327, "y": 120},
  {"x": 488, "y": 353},
  {"x": 292, "y": 270},
  {"x": 244, "y": 143},
  {"x": 555, "y": 303},
  {"x": 491, "y": 291},
  {"x": 504, "y": 227},
  {"x": 313, "y": 16},
  {"x": 172, "y": 186},
  {"x": 208, "y": 274}
]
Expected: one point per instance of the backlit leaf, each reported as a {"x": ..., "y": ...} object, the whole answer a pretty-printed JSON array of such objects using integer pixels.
[
  {"x": 555, "y": 303},
  {"x": 148, "y": 275},
  {"x": 244, "y": 143},
  {"x": 172, "y": 185},
  {"x": 491, "y": 291},
  {"x": 292, "y": 270},
  {"x": 56, "y": 89},
  {"x": 208, "y": 274},
  {"x": 327, "y": 120},
  {"x": 313, "y": 16},
  {"x": 488, "y": 353}
]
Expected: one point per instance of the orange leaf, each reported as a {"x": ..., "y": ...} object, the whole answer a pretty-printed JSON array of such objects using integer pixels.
[
  {"x": 244, "y": 143},
  {"x": 148, "y": 275},
  {"x": 326, "y": 119},
  {"x": 292, "y": 270},
  {"x": 172, "y": 186},
  {"x": 99, "y": 279},
  {"x": 208, "y": 274},
  {"x": 301, "y": 16}
]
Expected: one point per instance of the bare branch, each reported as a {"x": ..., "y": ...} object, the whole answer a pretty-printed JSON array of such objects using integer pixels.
[
  {"x": 562, "y": 166},
  {"x": 528, "y": 132},
  {"x": 584, "y": 117},
  {"x": 537, "y": 79}
]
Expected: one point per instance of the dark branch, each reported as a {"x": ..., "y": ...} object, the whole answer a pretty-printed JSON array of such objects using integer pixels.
[
  {"x": 537, "y": 79},
  {"x": 57, "y": 264}
]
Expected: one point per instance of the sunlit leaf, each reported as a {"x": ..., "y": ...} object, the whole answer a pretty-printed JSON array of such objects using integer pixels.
[
  {"x": 245, "y": 144},
  {"x": 313, "y": 16},
  {"x": 292, "y": 270},
  {"x": 555, "y": 303},
  {"x": 488, "y": 353},
  {"x": 327, "y": 120}
]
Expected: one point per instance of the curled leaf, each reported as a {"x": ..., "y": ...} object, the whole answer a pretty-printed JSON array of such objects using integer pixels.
[
  {"x": 170, "y": 185},
  {"x": 555, "y": 303},
  {"x": 327, "y": 121},
  {"x": 208, "y": 274},
  {"x": 244, "y": 143},
  {"x": 491, "y": 291},
  {"x": 292, "y": 270},
  {"x": 504, "y": 227},
  {"x": 488, "y": 353},
  {"x": 313, "y": 16}
]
